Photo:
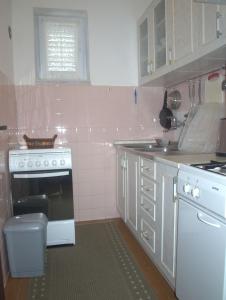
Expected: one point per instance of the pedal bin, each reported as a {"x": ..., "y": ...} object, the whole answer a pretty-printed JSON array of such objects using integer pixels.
[{"x": 26, "y": 243}]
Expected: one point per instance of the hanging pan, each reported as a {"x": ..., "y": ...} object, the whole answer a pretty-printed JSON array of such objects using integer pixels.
[{"x": 165, "y": 115}]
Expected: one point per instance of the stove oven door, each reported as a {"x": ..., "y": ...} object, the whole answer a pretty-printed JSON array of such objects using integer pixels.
[{"x": 49, "y": 192}]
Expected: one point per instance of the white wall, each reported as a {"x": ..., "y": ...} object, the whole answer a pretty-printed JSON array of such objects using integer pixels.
[
  {"x": 5, "y": 44},
  {"x": 112, "y": 38}
]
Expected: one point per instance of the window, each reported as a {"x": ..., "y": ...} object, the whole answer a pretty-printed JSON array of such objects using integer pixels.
[{"x": 61, "y": 45}]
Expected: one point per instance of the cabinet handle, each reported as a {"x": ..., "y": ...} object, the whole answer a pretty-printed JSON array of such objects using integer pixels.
[
  {"x": 146, "y": 188},
  {"x": 150, "y": 67},
  {"x": 218, "y": 27},
  {"x": 145, "y": 235},
  {"x": 123, "y": 164},
  {"x": 146, "y": 208},
  {"x": 175, "y": 189},
  {"x": 170, "y": 56},
  {"x": 146, "y": 169}
]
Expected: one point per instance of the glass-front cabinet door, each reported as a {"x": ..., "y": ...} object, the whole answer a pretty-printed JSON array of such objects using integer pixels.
[
  {"x": 152, "y": 38},
  {"x": 160, "y": 34},
  {"x": 143, "y": 35},
  {"x": 146, "y": 44}
]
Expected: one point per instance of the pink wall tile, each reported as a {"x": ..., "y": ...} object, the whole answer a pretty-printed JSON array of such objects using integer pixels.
[
  {"x": 88, "y": 119},
  {"x": 91, "y": 202}
]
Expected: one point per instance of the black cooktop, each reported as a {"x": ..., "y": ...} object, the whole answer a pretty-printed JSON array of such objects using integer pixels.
[{"x": 213, "y": 166}]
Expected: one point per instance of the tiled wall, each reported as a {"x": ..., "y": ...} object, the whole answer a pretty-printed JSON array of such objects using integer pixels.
[
  {"x": 88, "y": 119},
  {"x": 7, "y": 117}
]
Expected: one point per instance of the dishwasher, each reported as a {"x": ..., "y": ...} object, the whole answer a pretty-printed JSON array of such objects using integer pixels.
[{"x": 201, "y": 252}]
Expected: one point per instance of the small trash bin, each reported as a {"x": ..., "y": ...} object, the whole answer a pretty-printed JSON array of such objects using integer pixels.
[{"x": 26, "y": 243}]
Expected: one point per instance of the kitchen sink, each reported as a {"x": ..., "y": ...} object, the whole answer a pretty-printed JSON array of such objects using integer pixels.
[
  {"x": 138, "y": 146},
  {"x": 170, "y": 149}
]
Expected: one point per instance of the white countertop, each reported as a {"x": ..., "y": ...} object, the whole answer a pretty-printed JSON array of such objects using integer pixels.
[{"x": 176, "y": 158}]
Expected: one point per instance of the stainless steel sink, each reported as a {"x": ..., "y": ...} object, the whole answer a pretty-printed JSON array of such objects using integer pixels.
[
  {"x": 147, "y": 147},
  {"x": 137, "y": 146},
  {"x": 161, "y": 150}
]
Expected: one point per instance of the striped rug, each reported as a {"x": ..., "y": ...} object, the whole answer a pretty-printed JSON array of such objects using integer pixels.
[{"x": 98, "y": 267}]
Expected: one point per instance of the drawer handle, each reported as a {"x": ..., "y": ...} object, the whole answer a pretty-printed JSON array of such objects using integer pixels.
[
  {"x": 146, "y": 188},
  {"x": 145, "y": 235},
  {"x": 147, "y": 169},
  {"x": 148, "y": 209}
]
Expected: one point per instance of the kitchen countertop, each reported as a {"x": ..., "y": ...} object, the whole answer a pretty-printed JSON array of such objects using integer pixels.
[{"x": 175, "y": 158}]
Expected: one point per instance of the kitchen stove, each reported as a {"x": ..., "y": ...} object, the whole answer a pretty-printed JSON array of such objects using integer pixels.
[{"x": 41, "y": 181}]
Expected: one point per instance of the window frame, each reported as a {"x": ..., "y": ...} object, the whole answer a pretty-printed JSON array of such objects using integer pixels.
[{"x": 76, "y": 16}]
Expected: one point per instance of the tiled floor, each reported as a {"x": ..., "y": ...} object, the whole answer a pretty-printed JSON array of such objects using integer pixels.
[{"x": 16, "y": 288}]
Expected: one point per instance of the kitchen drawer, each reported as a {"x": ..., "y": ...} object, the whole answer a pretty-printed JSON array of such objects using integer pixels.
[
  {"x": 147, "y": 235},
  {"x": 147, "y": 168},
  {"x": 148, "y": 188},
  {"x": 148, "y": 207}
]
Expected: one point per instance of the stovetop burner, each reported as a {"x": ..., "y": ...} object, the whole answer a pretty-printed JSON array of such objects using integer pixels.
[{"x": 213, "y": 166}]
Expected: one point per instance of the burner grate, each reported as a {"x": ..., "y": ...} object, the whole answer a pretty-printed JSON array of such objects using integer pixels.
[{"x": 213, "y": 166}]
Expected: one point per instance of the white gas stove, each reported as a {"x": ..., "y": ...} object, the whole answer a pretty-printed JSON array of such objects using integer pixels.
[{"x": 41, "y": 181}]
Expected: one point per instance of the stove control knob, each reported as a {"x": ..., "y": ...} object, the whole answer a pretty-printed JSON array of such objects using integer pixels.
[
  {"x": 195, "y": 192},
  {"x": 62, "y": 162},
  {"x": 187, "y": 188},
  {"x": 46, "y": 163},
  {"x": 38, "y": 163},
  {"x": 21, "y": 164},
  {"x": 30, "y": 164},
  {"x": 54, "y": 162}
]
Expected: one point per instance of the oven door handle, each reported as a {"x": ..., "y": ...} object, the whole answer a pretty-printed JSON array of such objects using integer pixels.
[
  {"x": 200, "y": 217},
  {"x": 41, "y": 175}
]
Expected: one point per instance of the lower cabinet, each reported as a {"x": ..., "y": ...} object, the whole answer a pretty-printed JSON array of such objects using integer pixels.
[
  {"x": 167, "y": 220},
  {"x": 132, "y": 191},
  {"x": 121, "y": 183},
  {"x": 147, "y": 206},
  {"x": 147, "y": 202}
]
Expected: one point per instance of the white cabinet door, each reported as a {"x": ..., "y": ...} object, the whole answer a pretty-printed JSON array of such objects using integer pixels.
[
  {"x": 160, "y": 34},
  {"x": 209, "y": 19},
  {"x": 183, "y": 28},
  {"x": 132, "y": 190},
  {"x": 146, "y": 44},
  {"x": 207, "y": 24},
  {"x": 170, "y": 55},
  {"x": 221, "y": 21},
  {"x": 167, "y": 176},
  {"x": 121, "y": 183},
  {"x": 143, "y": 46}
]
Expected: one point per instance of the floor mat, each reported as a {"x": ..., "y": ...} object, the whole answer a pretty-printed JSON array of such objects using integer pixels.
[{"x": 98, "y": 267}]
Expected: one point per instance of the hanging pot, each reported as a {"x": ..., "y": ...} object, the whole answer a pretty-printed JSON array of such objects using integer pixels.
[{"x": 165, "y": 115}]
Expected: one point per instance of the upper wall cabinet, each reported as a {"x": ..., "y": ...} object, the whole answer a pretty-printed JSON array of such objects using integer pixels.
[
  {"x": 152, "y": 34},
  {"x": 183, "y": 40},
  {"x": 182, "y": 28},
  {"x": 145, "y": 57},
  {"x": 210, "y": 24},
  {"x": 159, "y": 34}
]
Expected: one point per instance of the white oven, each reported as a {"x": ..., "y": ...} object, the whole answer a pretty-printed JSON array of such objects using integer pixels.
[
  {"x": 201, "y": 252},
  {"x": 41, "y": 181}
]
